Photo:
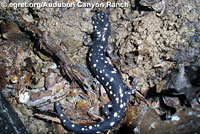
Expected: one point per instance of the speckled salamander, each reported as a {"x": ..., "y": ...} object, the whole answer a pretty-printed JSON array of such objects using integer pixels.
[{"x": 109, "y": 77}]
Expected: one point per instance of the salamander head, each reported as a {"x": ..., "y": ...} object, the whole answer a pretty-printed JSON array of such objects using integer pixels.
[{"x": 101, "y": 26}]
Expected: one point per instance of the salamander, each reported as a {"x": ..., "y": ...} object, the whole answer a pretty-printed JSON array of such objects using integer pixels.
[{"x": 109, "y": 77}]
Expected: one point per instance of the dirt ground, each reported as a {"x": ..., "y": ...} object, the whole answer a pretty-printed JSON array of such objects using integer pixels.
[{"x": 150, "y": 41}]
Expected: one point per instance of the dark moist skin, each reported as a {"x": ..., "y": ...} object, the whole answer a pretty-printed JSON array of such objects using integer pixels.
[{"x": 109, "y": 77}]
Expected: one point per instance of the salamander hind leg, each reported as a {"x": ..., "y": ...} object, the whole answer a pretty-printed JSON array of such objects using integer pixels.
[
  {"x": 106, "y": 108},
  {"x": 134, "y": 88},
  {"x": 110, "y": 54}
]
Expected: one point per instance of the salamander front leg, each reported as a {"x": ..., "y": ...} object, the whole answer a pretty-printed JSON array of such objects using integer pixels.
[
  {"x": 86, "y": 41},
  {"x": 110, "y": 54}
]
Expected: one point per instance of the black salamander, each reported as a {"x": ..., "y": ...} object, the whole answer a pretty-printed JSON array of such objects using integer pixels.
[{"x": 109, "y": 77}]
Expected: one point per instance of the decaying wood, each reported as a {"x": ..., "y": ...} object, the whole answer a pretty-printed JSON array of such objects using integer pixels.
[{"x": 43, "y": 41}]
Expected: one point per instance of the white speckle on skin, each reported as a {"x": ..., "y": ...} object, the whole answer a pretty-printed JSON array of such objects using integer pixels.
[
  {"x": 106, "y": 62},
  {"x": 111, "y": 92},
  {"x": 61, "y": 115},
  {"x": 121, "y": 105},
  {"x": 121, "y": 95},
  {"x": 120, "y": 90},
  {"x": 101, "y": 58},
  {"x": 64, "y": 121},
  {"x": 110, "y": 87},
  {"x": 113, "y": 72},
  {"x": 117, "y": 100},
  {"x": 101, "y": 47},
  {"x": 82, "y": 129},
  {"x": 90, "y": 127},
  {"x": 98, "y": 125},
  {"x": 102, "y": 78},
  {"x": 103, "y": 39},
  {"x": 109, "y": 106},
  {"x": 124, "y": 103},
  {"x": 73, "y": 125},
  {"x": 112, "y": 123},
  {"x": 97, "y": 61},
  {"x": 100, "y": 71},
  {"x": 109, "y": 51},
  {"x": 111, "y": 79},
  {"x": 107, "y": 83},
  {"x": 115, "y": 114},
  {"x": 106, "y": 75},
  {"x": 90, "y": 54},
  {"x": 94, "y": 65},
  {"x": 101, "y": 54}
]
